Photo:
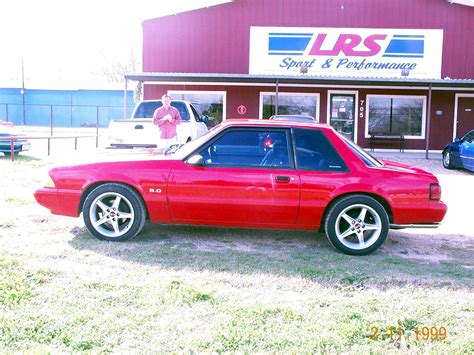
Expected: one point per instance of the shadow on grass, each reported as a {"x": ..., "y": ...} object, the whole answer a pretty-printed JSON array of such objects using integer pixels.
[
  {"x": 291, "y": 253},
  {"x": 20, "y": 158}
]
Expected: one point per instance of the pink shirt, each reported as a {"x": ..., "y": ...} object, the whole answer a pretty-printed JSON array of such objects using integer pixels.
[{"x": 167, "y": 127}]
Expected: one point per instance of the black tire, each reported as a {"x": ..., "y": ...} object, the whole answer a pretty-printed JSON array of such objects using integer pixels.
[
  {"x": 114, "y": 212},
  {"x": 447, "y": 162},
  {"x": 347, "y": 224}
]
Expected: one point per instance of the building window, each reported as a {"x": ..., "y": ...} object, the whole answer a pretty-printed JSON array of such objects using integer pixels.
[
  {"x": 289, "y": 104},
  {"x": 396, "y": 115},
  {"x": 207, "y": 103}
]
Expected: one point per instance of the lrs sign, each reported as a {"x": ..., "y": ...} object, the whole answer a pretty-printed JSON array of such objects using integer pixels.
[{"x": 360, "y": 52}]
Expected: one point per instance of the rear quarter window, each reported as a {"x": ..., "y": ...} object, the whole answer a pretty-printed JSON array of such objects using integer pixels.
[{"x": 315, "y": 152}]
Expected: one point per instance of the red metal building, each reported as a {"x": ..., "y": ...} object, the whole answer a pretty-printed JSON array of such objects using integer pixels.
[{"x": 367, "y": 67}]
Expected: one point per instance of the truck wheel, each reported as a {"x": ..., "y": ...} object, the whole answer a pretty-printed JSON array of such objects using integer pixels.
[
  {"x": 114, "y": 212},
  {"x": 357, "y": 225}
]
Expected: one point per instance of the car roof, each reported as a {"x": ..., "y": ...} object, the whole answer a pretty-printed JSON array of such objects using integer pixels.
[
  {"x": 272, "y": 123},
  {"x": 289, "y": 116}
]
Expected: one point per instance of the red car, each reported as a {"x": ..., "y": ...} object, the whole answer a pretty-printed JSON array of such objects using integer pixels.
[{"x": 258, "y": 174}]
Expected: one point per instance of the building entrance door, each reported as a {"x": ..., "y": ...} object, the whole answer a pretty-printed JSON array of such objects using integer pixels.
[
  {"x": 341, "y": 114},
  {"x": 465, "y": 116}
]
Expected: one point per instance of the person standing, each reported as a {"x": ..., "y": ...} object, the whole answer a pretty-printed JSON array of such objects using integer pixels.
[{"x": 166, "y": 118}]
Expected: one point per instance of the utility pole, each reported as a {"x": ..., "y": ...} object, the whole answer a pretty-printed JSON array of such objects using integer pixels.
[{"x": 22, "y": 92}]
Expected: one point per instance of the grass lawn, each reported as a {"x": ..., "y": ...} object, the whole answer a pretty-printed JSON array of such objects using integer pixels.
[{"x": 181, "y": 288}]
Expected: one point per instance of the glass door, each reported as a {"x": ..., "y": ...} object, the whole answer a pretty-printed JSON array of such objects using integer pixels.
[{"x": 342, "y": 107}]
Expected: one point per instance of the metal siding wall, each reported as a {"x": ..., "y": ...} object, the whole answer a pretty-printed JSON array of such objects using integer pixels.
[
  {"x": 216, "y": 39},
  {"x": 71, "y": 108}
]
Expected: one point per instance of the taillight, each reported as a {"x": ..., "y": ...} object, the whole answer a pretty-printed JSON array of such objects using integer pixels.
[{"x": 435, "y": 192}]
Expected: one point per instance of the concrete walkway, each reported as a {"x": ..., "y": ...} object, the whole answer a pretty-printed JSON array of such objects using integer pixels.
[{"x": 384, "y": 154}]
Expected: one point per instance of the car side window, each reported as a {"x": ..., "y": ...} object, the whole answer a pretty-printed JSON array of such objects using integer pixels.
[
  {"x": 314, "y": 151},
  {"x": 248, "y": 148},
  {"x": 469, "y": 137}
]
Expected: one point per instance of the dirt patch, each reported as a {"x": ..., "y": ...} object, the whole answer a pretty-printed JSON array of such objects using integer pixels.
[{"x": 430, "y": 248}]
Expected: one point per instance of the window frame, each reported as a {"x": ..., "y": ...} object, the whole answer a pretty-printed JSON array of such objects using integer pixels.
[
  {"x": 289, "y": 140},
  {"x": 345, "y": 168},
  {"x": 286, "y": 93},
  {"x": 423, "y": 114}
]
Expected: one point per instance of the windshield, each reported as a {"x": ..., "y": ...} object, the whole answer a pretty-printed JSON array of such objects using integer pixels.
[
  {"x": 368, "y": 159},
  {"x": 189, "y": 147}
]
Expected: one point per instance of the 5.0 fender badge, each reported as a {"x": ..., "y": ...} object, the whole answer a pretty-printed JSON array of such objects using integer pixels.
[{"x": 158, "y": 191}]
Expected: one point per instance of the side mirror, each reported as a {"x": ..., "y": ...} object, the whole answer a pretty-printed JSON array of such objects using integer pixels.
[
  {"x": 457, "y": 140},
  {"x": 204, "y": 118},
  {"x": 195, "y": 160}
]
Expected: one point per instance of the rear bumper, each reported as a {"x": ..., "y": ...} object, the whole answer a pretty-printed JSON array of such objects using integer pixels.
[
  {"x": 429, "y": 213},
  {"x": 5, "y": 147}
]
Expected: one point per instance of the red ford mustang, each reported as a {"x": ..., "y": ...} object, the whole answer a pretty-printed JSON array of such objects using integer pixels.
[{"x": 258, "y": 174}]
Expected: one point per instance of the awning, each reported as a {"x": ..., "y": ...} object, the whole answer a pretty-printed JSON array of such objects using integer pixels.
[{"x": 302, "y": 80}]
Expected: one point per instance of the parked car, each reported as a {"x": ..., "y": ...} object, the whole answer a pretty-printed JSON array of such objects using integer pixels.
[
  {"x": 460, "y": 153},
  {"x": 299, "y": 118},
  {"x": 258, "y": 174},
  {"x": 7, "y": 131},
  {"x": 139, "y": 131}
]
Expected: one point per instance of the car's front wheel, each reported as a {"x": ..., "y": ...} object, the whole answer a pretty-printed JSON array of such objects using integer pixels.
[
  {"x": 114, "y": 212},
  {"x": 447, "y": 160},
  {"x": 357, "y": 225}
]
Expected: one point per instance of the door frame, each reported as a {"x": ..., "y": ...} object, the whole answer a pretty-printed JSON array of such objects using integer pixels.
[
  {"x": 455, "y": 120},
  {"x": 356, "y": 108}
]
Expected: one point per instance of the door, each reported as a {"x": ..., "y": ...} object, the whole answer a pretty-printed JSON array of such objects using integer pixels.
[
  {"x": 341, "y": 114},
  {"x": 247, "y": 179},
  {"x": 465, "y": 116}
]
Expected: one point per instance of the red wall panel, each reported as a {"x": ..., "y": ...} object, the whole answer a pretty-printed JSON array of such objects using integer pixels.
[{"x": 216, "y": 39}]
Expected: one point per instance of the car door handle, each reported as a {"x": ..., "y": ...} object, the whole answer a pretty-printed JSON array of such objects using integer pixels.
[
  {"x": 282, "y": 179},
  {"x": 139, "y": 126}
]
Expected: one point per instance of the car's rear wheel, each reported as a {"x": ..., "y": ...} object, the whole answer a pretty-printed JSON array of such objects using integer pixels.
[
  {"x": 114, "y": 212},
  {"x": 447, "y": 160},
  {"x": 357, "y": 225}
]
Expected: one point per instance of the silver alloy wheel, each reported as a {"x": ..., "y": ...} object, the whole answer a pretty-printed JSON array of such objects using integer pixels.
[
  {"x": 446, "y": 159},
  {"x": 111, "y": 214},
  {"x": 358, "y": 226}
]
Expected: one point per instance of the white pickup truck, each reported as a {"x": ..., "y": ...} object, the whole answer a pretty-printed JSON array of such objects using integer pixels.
[{"x": 140, "y": 132}]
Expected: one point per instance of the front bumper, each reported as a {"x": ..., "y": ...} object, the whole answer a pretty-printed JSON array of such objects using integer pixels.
[{"x": 60, "y": 202}]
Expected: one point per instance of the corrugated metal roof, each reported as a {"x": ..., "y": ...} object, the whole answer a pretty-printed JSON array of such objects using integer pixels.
[{"x": 207, "y": 78}]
